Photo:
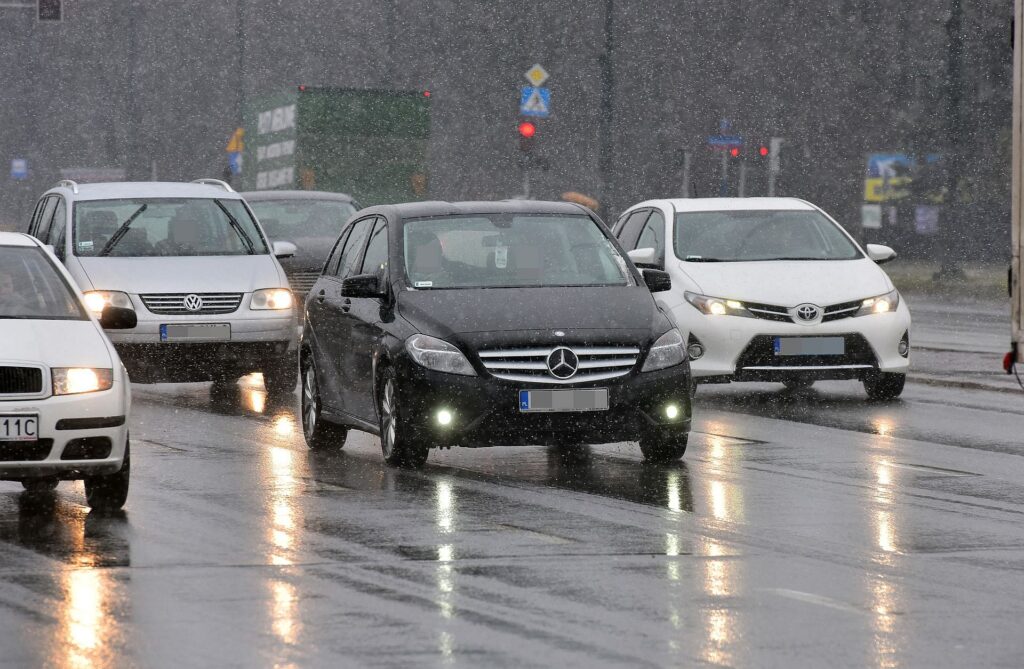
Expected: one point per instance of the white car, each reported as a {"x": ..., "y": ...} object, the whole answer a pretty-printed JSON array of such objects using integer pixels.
[
  {"x": 64, "y": 394},
  {"x": 773, "y": 289},
  {"x": 191, "y": 260}
]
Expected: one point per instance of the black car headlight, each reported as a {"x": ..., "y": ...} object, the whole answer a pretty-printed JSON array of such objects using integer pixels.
[
  {"x": 438, "y": 355},
  {"x": 668, "y": 351}
]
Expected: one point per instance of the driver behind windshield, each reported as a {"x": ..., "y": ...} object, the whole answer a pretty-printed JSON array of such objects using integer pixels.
[{"x": 184, "y": 234}]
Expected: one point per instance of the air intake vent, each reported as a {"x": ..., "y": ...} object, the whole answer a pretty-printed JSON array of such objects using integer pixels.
[{"x": 21, "y": 380}]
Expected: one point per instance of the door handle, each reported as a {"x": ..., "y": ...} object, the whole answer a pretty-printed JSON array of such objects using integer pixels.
[
  {"x": 321, "y": 296},
  {"x": 346, "y": 305}
]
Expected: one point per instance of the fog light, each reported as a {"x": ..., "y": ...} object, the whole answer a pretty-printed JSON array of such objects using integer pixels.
[
  {"x": 904, "y": 346},
  {"x": 672, "y": 412},
  {"x": 695, "y": 350},
  {"x": 444, "y": 417}
]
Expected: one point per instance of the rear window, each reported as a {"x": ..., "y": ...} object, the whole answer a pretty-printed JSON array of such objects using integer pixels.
[
  {"x": 290, "y": 219},
  {"x": 32, "y": 288}
]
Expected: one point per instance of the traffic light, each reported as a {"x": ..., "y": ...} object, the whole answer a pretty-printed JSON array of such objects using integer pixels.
[
  {"x": 49, "y": 10},
  {"x": 527, "y": 130},
  {"x": 763, "y": 151}
]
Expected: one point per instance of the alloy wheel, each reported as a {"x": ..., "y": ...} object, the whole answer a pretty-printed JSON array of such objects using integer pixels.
[
  {"x": 388, "y": 419},
  {"x": 309, "y": 400}
]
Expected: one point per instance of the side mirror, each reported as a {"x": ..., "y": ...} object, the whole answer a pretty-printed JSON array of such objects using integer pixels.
[
  {"x": 283, "y": 249},
  {"x": 880, "y": 254},
  {"x": 118, "y": 318},
  {"x": 362, "y": 285},
  {"x": 657, "y": 280},
  {"x": 644, "y": 257}
]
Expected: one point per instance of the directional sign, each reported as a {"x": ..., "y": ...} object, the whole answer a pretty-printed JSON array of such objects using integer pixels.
[
  {"x": 19, "y": 169},
  {"x": 537, "y": 75},
  {"x": 535, "y": 101},
  {"x": 724, "y": 141}
]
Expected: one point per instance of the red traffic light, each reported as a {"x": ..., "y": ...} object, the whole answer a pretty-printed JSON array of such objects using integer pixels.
[
  {"x": 763, "y": 151},
  {"x": 734, "y": 152},
  {"x": 527, "y": 129}
]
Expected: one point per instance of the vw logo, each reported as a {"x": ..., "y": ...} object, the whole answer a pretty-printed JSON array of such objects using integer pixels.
[
  {"x": 193, "y": 302},
  {"x": 559, "y": 333},
  {"x": 808, "y": 313},
  {"x": 563, "y": 363}
]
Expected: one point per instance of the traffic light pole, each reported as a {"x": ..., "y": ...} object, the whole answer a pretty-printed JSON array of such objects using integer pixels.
[{"x": 607, "y": 107}]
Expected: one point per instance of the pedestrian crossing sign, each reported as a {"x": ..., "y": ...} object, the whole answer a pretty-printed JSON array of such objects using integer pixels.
[{"x": 535, "y": 101}]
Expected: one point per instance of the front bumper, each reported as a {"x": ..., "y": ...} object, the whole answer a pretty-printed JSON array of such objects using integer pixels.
[
  {"x": 734, "y": 347},
  {"x": 45, "y": 458},
  {"x": 200, "y": 361},
  {"x": 486, "y": 411}
]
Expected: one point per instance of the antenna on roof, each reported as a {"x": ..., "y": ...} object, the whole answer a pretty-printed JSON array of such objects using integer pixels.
[{"x": 215, "y": 182}]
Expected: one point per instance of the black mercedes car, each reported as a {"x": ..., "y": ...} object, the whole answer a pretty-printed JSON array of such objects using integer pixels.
[{"x": 438, "y": 324}]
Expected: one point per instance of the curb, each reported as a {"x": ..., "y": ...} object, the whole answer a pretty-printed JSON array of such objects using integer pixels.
[{"x": 971, "y": 385}]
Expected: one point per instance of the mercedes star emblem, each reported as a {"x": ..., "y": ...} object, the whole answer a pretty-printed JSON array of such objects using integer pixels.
[
  {"x": 807, "y": 313},
  {"x": 563, "y": 363},
  {"x": 193, "y": 302}
]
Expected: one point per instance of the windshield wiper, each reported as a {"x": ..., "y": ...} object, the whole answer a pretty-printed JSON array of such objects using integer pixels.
[
  {"x": 237, "y": 227},
  {"x": 703, "y": 259},
  {"x": 122, "y": 231},
  {"x": 799, "y": 258}
]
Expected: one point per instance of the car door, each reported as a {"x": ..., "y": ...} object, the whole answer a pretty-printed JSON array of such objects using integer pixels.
[
  {"x": 339, "y": 320},
  {"x": 316, "y": 326},
  {"x": 366, "y": 320}
]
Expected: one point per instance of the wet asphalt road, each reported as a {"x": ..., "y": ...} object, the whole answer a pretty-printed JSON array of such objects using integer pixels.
[{"x": 803, "y": 529}]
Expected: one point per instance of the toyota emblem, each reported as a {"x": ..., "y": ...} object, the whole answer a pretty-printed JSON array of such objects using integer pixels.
[
  {"x": 563, "y": 363},
  {"x": 808, "y": 313},
  {"x": 193, "y": 302}
]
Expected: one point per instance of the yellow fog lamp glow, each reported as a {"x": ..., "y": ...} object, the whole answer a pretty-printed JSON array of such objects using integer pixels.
[
  {"x": 445, "y": 417},
  {"x": 271, "y": 298},
  {"x": 97, "y": 300},
  {"x": 672, "y": 411},
  {"x": 76, "y": 380}
]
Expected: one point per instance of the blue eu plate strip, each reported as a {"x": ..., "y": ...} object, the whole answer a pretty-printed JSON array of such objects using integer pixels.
[{"x": 524, "y": 400}]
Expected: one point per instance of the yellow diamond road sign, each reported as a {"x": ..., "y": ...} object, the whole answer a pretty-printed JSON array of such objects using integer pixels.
[{"x": 537, "y": 75}]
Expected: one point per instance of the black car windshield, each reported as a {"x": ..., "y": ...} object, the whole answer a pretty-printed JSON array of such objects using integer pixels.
[
  {"x": 292, "y": 219},
  {"x": 510, "y": 250},
  {"x": 143, "y": 227},
  {"x": 32, "y": 288},
  {"x": 738, "y": 236}
]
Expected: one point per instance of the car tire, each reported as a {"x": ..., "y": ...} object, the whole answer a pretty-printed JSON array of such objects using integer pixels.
[
  {"x": 320, "y": 434},
  {"x": 659, "y": 449},
  {"x": 399, "y": 445},
  {"x": 798, "y": 383},
  {"x": 281, "y": 376},
  {"x": 884, "y": 385},
  {"x": 108, "y": 492},
  {"x": 36, "y": 486}
]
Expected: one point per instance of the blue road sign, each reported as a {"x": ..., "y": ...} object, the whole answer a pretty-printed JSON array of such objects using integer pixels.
[
  {"x": 725, "y": 141},
  {"x": 535, "y": 101},
  {"x": 19, "y": 169}
]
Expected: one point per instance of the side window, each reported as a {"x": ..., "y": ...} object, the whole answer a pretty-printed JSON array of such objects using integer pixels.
[
  {"x": 631, "y": 229},
  {"x": 58, "y": 228},
  {"x": 653, "y": 236},
  {"x": 36, "y": 213},
  {"x": 375, "y": 260},
  {"x": 331, "y": 268},
  {"x": 46, "y": 215},
  {"x": 348, "y": 264},
  {"x": 617, "y": 228}
]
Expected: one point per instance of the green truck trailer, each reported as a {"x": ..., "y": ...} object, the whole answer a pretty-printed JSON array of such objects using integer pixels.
[{"x": 371, "y": 144}]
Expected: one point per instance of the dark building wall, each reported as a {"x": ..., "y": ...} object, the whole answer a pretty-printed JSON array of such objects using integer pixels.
[{"x": 157, "y": 84}]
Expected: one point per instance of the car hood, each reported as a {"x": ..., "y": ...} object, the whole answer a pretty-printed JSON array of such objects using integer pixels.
[
  {"x": 184, "y": 274},
  {"x": 789, "y": 283},
  {"x": 50, "y": 343},
  {"x": 445, "y": 312}
]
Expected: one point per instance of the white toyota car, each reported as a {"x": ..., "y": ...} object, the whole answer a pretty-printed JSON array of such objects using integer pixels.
[
  {"x": 64, "y": 395},
  {"x": 773, "y": 289}
]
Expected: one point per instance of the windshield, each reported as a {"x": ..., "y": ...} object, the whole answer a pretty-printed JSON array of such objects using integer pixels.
[
  {"x": 144, "y": 227},
  {"x": 32, "y": 288},
  {"x": 292, "y": 219},
  {"x": 504, "y": 251},
  {"x": 735, "y": 236}
]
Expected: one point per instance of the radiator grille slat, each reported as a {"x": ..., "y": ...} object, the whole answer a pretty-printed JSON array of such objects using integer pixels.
[
  {"x": 21, "y": 380},
  {"x": 529, "y": 365}
]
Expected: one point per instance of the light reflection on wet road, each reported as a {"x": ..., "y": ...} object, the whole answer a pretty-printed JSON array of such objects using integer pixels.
[{"x": 803, "y": 529}]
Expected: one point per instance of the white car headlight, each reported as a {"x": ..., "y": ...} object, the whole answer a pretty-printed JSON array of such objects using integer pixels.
[
  {"x": 271, "y": 298},
  {"x": 97, "y": 300},
  {"x": 438, "y": 355},
  {"x": 881, "y": 304},
  {"x": 716, "y": 306},
  {"x": 668, "y": 351},
  {"x": 75, "y": 380}
]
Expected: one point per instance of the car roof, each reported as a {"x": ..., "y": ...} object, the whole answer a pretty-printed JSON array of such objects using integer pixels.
[
  {"x": 259, "y": 195},
  {"x": 731, "y": 204},
  {"x": 144, "y": 189},
  {"x": 16, "y": 239},
  {"x": 439, "y": 208}
]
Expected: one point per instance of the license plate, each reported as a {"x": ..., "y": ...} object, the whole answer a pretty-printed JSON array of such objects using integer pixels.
[
  {"x": 19, "y": 427},
  {"x": 589, "y": 399},
  {"x": 810, "y": 346},
  {"x": 196, "y": 332}
]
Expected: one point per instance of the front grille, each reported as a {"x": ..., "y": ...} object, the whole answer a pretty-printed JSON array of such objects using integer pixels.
[
  {"x": 174, "y": 303},
  {"x": 773, "y": 312},
  {"x": 529, "y": 365},
  {"x": 760, "y": 354},
  {"x": 302, "y": 280},
  {"x": 838, "y": 311},
  {"x": 25, "y": 451},
  {"x": 21, "y": 380}
]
